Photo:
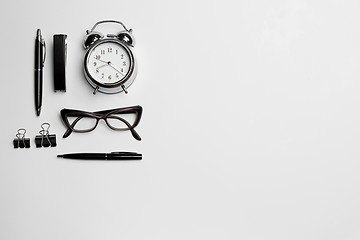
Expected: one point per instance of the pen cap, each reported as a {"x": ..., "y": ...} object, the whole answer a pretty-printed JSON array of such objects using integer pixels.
[
  {"x": 60, "y": 52},
  {"x": 124, "y": 156}
]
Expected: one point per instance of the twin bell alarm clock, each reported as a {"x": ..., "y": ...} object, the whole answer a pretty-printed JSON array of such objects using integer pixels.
[{"x": 109, "y": 63}]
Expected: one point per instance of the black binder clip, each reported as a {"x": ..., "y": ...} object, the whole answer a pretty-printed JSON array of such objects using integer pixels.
[
  {"x": 45, "y": 139},
  {"x": 20, "y": 141}
]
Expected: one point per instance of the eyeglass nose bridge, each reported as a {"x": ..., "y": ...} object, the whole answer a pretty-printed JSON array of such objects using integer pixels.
[{"x": 99, "y": 117}]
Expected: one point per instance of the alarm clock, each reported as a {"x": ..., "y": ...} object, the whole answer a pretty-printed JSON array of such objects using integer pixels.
[{"x": 109, "y": 62}]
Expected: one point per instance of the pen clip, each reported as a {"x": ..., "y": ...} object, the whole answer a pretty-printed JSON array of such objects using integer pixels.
[{"x": 44, "y": 46}]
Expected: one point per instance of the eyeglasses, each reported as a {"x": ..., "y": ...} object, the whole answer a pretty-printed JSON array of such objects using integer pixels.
[{"x": 119, "y": 119}]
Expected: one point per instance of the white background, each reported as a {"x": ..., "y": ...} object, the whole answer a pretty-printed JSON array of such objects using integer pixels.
[{"x": 250, "y": 126}]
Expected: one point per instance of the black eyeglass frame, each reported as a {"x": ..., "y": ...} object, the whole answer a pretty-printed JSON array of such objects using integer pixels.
[{"x": 79, "y": 114}]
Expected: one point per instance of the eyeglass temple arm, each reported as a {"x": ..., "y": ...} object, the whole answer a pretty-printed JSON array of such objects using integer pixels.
[
  {"x": 135, "y": 134},
  {"x": 69, "y": 130},
  {"x": 131, "y": 128}
]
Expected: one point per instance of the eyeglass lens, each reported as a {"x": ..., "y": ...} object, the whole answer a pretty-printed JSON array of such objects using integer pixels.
[{"x": 121, "y": 121}]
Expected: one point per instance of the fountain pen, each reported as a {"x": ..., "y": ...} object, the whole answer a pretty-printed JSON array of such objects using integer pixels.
[{"x": 103, "y": 156}]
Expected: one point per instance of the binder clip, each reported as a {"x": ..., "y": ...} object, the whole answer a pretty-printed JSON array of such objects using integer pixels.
[
  {"x": 20, "y": 141},
  {"x": 45, "y": 139}
]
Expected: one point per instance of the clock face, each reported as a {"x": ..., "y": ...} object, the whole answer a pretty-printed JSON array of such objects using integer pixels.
[{"x": 108, "y": 63}]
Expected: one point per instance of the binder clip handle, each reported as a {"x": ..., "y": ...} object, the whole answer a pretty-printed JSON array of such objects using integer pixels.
[{"x": 45, "y": 139}]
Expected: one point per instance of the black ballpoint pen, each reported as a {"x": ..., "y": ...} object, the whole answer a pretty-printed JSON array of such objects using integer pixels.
[
  {"x": 39, "y": 64},
  {"x": 103, "y": 156}
]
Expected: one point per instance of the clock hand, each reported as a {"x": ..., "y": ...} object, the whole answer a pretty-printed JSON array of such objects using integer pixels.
[
  {"x": 102, "y": 66},
  {"x": 112, "y": 65},
  {"x": 108, "y": 62}
]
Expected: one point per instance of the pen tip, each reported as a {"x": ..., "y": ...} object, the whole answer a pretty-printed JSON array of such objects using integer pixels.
[
  {"x": 60, "y": 156},
  {"x": 38, "y": 111}
]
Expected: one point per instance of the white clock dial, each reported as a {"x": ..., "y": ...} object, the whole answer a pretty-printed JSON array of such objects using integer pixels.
[{"x": 108, "y": 63}]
